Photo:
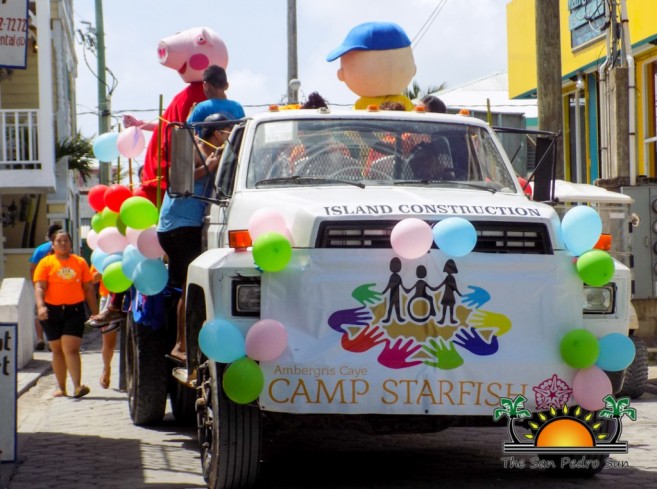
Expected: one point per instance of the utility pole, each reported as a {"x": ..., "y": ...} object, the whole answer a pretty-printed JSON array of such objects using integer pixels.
[
  {"x": 292, "y": 72},
  {"x": 103, "y": 96},
  {"x": 548, "y": 74}
]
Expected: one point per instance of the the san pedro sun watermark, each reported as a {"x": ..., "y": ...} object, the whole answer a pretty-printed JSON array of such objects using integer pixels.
[{"x": 568, "y": 438}]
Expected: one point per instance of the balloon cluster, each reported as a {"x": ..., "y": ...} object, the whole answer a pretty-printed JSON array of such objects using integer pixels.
[
  {"x": 411, "y": 238},
  {"x": 581, "y": 227},
  {"x": 272, "y": 241},
  {"x": 580, "y": 349},
  {"x": 124, "y": 241},
  {"x": 129, "y": 143},
  {"x": 222, "y": 341},
  {"x": 266, "y": 340}
]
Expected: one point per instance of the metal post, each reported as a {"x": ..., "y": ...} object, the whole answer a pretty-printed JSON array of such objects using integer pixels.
[
  {"x": 103, "y": 96},
  {"x": 292, "y": 73}
]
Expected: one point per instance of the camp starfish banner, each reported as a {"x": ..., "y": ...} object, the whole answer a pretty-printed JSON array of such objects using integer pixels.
[
  {"x": 370, "y": 333},
  {"x": 13, "y": 33}
]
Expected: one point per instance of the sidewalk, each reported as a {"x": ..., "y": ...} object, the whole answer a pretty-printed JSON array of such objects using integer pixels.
[{"x": 40, "y": 364}]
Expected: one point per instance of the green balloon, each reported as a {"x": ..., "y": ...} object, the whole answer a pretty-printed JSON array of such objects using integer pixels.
[
  {"x": 138, "y": 213},
  {"x": 120, "y": 225},
  {"x": 114, "y": 279},
  {"x": 243, "y": 381},
  {"x": 109, "y": 218},
  {"x": 272, "y": 252},
  {"x": 579, "y": 348},
  {"x": 97, "y": 222},
  {"x": 595, "y": 267}
]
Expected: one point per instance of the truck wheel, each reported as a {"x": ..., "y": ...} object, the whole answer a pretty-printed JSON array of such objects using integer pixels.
[
  {"x": 146, "y": 375},
  {"x": 636, "y": 375},
  {"x": 229, "y": 434}
]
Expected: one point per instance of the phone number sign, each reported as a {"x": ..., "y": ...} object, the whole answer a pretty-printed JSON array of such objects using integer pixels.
[{"x": 13, "y": 33}]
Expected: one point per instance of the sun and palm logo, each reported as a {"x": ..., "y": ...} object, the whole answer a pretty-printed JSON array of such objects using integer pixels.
[{"x": 567, "y": 430}]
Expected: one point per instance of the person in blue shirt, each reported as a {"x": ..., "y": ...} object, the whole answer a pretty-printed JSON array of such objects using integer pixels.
[
  {"x": 181, "y": 218},
  {"x": 215, "y": 84},
  {"x": 40, "y": 251}
]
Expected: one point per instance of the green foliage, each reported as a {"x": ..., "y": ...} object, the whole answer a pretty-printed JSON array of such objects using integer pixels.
[
  {"x": 416, "y": 92},
  {"x": 80, "y": 153}
]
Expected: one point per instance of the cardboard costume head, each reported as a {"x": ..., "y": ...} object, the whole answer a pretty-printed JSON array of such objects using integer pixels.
[
  {"x": 376, "y": 63},
  {"x": 191, "y": 51}
]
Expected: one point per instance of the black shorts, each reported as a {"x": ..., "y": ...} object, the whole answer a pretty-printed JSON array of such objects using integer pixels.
[
  {"x": 182, "y": 246},
  {"x": 65, "y": 319}
]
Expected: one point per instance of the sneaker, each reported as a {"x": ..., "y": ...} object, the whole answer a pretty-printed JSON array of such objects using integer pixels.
[
  {"x": 40, "y": 346},
  {"x": 105, "y": 317}
]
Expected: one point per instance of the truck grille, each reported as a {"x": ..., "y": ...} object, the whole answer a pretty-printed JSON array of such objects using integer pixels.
[{"x": 492, "y": 237}]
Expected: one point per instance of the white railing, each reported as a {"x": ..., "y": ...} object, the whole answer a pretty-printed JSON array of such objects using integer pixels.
[{"x": 18, "y": 144}]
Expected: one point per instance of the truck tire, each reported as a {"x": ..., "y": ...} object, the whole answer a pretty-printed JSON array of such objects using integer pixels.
[
  {"x": 230, "y": 435},
  {"x": 636, "y": 375},
  {"x": 146, "y": 373}
]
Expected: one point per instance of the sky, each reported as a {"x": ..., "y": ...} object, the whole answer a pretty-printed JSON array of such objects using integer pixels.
[{"x": 454, "y": 42}]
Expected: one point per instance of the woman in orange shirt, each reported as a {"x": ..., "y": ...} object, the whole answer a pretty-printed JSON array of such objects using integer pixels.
[{"x": 62, "y": 283}]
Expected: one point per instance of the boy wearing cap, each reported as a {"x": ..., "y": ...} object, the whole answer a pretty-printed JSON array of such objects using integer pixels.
[
  {"x": 376, "y": 63},
  {"x": 215, "y": 84}
]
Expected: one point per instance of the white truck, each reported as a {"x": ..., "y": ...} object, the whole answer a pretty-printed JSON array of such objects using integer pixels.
[{"x": 375, "y": 341}]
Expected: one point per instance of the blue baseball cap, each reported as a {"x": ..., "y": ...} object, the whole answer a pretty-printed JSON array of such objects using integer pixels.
[{"x": 372, "y": 36}]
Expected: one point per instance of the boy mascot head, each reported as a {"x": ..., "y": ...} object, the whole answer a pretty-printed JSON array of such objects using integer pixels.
[
  {"x": 189, "y": 52},
  {"x": 376, "y": 63}
]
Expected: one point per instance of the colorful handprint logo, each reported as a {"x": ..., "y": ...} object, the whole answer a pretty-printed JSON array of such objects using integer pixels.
[{"x": 435, "y": 325}]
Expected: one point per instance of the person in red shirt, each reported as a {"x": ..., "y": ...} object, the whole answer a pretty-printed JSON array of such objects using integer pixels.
[{"x": 189, "y": 52}]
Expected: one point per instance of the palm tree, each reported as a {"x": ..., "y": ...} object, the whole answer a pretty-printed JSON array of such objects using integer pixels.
[
  {"x": 616, "y": 410},
  {"x": 512, "y": 410},
  {"x": 416, "y": 92},
  {"x": 80, "y": 153}
]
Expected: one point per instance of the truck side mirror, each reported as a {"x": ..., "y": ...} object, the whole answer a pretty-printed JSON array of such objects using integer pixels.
[{"x": 181, "y": 169}]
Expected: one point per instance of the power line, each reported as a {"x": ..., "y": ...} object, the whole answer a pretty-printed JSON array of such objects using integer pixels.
[{"x": 425, "y": 27}]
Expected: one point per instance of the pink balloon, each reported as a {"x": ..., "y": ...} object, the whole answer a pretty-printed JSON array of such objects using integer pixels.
[
  {"x": 266, "y": 340},
  {"x": 148, "y": 244},
  {"x": 110, "y": 240},
  {"x": 92, "y": 239},
  {"x": 131, "y": 142},
  {"x": 266, "y": 220},
  {"x": 590, "y": 386},
  {"x": 133, "y": 235},
  {"x": 411, "y": 238}
]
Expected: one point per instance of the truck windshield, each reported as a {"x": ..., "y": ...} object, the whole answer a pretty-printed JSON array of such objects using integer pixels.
[{"x": 376, "y": 152}]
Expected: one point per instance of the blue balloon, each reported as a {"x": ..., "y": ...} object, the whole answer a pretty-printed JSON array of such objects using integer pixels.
[
  {"x": 581, "y": 227},
  {"x": 617, "y": 352},
  {"x": 221, "y": 341},
  {"x": 105, "y": 148},
  {"x": 455, "y": 236},
  {"x": 131, "y": 258},
  {"x": 111, "y": 259},
  {"x": 151, "y": 277},
  {"x": 97, "y": 258}
]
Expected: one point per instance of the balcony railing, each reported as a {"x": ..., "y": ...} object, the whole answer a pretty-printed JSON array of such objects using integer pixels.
[{"x": 18, "y": 145}]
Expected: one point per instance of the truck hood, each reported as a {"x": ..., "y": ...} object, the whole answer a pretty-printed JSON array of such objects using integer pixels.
[{"x": 305, "y": 208}]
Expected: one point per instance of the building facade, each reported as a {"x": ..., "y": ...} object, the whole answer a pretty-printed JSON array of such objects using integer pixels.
[
  {"x": 37, "y": 109},
  {"x": 596, "y": 36}
]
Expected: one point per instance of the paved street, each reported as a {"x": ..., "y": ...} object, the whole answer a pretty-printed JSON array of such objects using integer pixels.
[{"x": 91, "y": 442}]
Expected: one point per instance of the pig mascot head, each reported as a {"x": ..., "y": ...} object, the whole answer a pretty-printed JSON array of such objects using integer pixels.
[
  {"x": 376, "y": 63},
  {"x": 191, "y": 51}
]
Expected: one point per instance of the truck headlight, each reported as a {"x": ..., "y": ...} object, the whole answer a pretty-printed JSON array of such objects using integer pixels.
[
  {"x": 599, "y": 300},
  {"x": 246, "y": 297}
]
